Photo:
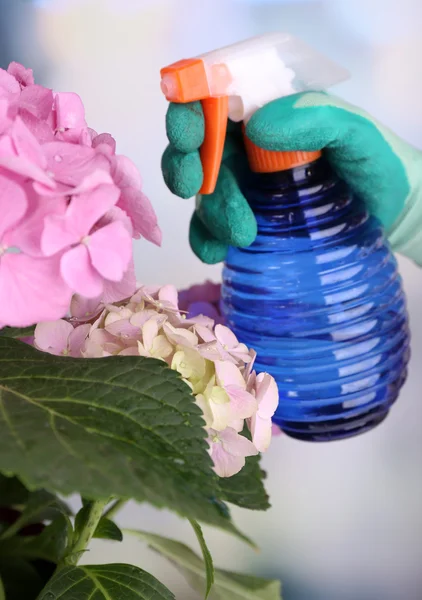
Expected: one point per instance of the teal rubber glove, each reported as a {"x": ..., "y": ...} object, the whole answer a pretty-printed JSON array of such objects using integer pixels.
[{"x": 382, "y": 169}]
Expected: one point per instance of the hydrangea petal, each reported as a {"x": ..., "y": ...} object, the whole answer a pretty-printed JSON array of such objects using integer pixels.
[
  {"x": 221, "y": 415},
  {"x": 266, "y": 395},
  {"x": 5, "y": 121},
  {"x": 105, "y": 139},
  {"x": 204, "y": 405},
  {"x": 131, "y": 351},
  {"x": 53, "y": 336},
  {"x": 79, "y": 274},
  {"x": 82, "y": 213},
  {"x": 236, "y": 444},
  {"x": 261, "y": 432},
  {"x": 168, "y": 295},
  {"x": 23, "y": 284},
  {"x": 110, "y": 249},
  {"x": 125, "y": 173},
  {"x": 228, "y": 374},
  {"x": 180, "y": 336},
  {"x": 144, "y": 220},
  {"x": 37, "y": 100},
  {"x": 77, "y": 339},
  {"x": 205, "y": 333},
  {"x": 116, "y": 291},
  {"x": 85, "y": 308},
  {"x": 13, "y": 202},
  {"x": 23, "y": 76},
  {"x": 28, "y": 233},
  {"x": 243, "y": 404},
  {"x": 149, "y": 332},
  {"x": 9, "y": 87},
  {"x": 225, "y": 336},
  {"x": 123, "y": 328},
  {"x": 72, "y": 163},
  {"x": 70, "y": 111},
  {"x": 161, "y": 348},
  {"x": 225, "y": 464},
  {"x": 26, "y": 144},
  {"x": 10, "y": 160},
  {"x": 40, "y": 129}
]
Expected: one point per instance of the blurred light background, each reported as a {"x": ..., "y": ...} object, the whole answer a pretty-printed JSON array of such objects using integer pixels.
[{"x": 346, "y": 522}]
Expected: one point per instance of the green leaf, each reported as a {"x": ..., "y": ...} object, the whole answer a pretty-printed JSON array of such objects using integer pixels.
[
  {"x": 246, "y": 489},
  {"x": 17, "y": 332},
  {"x": 108, "y": 530},
  {"x": 49, "y": 545},
  {"x": 2, "y": 592},
  {"x": 227, "y": 585},
  {"x": 118, "y": 426},
  {"x": 12, "y": 491},
  {"x": 40, "y": 506},
  {"x": 209, "y": 566},
  {"x": 21, "y": 581},
  {"x": 104, "y": 582}
]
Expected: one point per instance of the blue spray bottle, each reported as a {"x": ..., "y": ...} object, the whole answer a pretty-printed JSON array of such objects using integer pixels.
[{"x": 317, "y": 294}]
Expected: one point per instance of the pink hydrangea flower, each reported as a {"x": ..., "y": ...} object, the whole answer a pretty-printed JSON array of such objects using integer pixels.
[
  {"x": 229, "y": 451},
  {"x": 91, "y": 257},
  {"x": 25, "y": 277},
  {"x": 203, "y": 299},
  {"x": 150, "y": 323},
  {"x": 70, "y": 205},
  {"x": 266, "y": 394},
  {"x": 61, "y": 338}
]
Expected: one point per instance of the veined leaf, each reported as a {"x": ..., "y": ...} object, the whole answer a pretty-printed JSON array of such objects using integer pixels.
[
  {"x": 12, "y": 491},
  {"x": 49, "y": 545},
  {"x": 39, "y": 506},
  {"x": 21, "y": 581},
  {"x": 206, "y": 555},
  {"x": 118, "y": 426},
  {"x": 227, "y": 585},
  {"x": 105, "y": 582},
  {"x": 108, "y": 530}
]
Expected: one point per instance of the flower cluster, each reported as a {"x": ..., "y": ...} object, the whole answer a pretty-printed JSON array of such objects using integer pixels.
[
  {"x": 209, "y": 358},
  {"x": 70, "y": 206},
  {"x": 202, "y": 299}
]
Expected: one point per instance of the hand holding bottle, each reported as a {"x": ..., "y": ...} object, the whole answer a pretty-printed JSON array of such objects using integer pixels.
[{"x": 382, "y": 169}]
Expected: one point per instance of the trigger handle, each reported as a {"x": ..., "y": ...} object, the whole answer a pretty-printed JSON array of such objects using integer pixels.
[{"x": 216, "y": 111}]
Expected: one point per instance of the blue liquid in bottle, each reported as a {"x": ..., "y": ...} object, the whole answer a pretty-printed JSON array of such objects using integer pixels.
[{"x": 318, "y": 296}]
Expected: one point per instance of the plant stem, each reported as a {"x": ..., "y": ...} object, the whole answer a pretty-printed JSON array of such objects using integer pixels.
[
  {"x": 114, "y": 508},
  {"x": 81, "y": 543}
]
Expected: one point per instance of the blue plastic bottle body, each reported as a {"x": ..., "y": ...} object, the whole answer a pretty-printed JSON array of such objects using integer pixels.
[{"x": 318, "y": 296}]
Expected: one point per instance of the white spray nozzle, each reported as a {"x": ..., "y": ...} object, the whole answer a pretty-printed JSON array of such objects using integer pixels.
[{"x": 237, "y": 80}]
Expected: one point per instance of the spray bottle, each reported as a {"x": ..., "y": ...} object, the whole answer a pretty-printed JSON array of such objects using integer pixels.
[{"x": 317, "y": 294}]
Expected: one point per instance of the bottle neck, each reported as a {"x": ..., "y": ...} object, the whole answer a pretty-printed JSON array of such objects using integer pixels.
[{"x": 288, "y": 185}]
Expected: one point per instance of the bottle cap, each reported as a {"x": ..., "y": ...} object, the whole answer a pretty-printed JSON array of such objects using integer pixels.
[{"x": 270, "y": 161}]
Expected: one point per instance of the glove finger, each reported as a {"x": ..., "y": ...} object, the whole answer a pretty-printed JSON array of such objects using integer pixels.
[
  {"x": 309, "y": 121},
  {"x": 182, "y": 172},
  {"x": 205, "y": 246},
  {"x": 359, "y": 149},
  {"x": 227, "y": 214},
  {"x": 185, "y": 126}
]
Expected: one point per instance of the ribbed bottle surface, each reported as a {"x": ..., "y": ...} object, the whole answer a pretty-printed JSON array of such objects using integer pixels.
[{"x": 318, "y": 296}]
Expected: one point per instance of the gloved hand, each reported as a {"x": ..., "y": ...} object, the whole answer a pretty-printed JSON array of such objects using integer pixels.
[{"x": 382, "y": 169}]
